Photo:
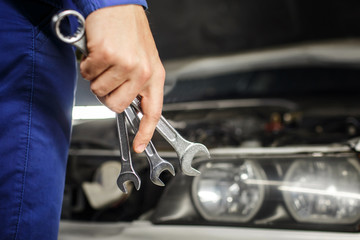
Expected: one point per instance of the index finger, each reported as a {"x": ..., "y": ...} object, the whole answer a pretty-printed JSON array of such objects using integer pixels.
[{"x": 151, "y": 109}]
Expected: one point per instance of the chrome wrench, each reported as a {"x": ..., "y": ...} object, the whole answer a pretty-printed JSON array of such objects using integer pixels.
[
  {"x": 78, "y": 39},
  {"x": 127, "y": 172},
  {"x": 157, "y": 164},
  {"x": 185, "y": 150}
]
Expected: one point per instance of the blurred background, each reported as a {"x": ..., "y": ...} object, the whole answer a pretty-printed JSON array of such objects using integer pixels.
[
  {"x": 262, "y": 84},
  {"x": 185, "y": 28}
]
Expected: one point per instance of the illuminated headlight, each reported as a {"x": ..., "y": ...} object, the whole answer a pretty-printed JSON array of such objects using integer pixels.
[
  {"x": 318, "y": 191},
  {"x": 222, "y": 194}
]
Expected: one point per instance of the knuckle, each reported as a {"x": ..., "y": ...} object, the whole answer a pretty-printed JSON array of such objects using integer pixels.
[
  {"x": 162, "y": 73},
  {"x": 145, "y": 72},
  {"x": 145, "y": 135},
  {"x": 157, "y": 116},
  {"x": 84, "y": 72},
  {"x": 93, "y": 89},
  {"x": 154, "y": 116},
  {"x": 114, "y": 106},
  {"x": 128, "y": 64},
  {"x": 107, "y": 55},
  {"x": 98, "y": 90},
  {"x": 103, "y": 52}
]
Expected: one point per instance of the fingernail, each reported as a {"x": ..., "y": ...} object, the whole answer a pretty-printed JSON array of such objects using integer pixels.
[{"x": 140, "y": 148}]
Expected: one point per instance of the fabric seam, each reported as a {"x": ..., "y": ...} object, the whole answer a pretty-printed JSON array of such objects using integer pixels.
[{"x": 27, "y": 150}]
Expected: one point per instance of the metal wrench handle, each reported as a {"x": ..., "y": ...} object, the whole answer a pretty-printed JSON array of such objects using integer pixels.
[
  {"x": 174, "y": 138},
  {"x": 78, "y": 39},
  {"x": 166, "y": 130},
  {"x": 123, "y": 140},
  {"x": 127, "y": 172},
  {"x": 185, "y": 150},
  {"x": 157, "y": 164}
]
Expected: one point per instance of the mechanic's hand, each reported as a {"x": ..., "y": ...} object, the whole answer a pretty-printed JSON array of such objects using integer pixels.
[{"x": 123, "y": 62}]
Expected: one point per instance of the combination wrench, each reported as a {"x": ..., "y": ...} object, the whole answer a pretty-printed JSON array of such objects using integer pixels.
[
  {"x": 127, "y": 172},
  {"x": 78, "y": 39},
  {"x": 157, "y": 164},
  {"x": 185, "y": 149}
]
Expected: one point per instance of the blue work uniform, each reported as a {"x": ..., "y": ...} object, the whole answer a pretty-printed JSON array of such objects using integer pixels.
[{"x": 37, "y": 84}]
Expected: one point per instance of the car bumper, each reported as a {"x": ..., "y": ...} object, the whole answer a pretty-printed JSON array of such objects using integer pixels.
[{"x": 145, "y": 230}]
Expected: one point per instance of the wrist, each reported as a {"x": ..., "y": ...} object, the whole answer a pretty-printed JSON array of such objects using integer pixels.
[{"x": 86, "y": 7}]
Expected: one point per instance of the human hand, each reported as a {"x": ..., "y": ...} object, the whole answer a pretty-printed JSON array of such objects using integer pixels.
[{"x": 123, "y": 62}]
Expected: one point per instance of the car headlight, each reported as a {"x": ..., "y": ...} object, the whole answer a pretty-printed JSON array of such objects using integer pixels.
[
  {"x": 314, "y": 188},
  {"x": 318, "y": 191},
  {"x": 222, "y": 194}
]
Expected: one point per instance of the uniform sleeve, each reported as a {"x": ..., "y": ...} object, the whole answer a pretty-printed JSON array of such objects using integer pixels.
[{"x": 88, "y": 6}]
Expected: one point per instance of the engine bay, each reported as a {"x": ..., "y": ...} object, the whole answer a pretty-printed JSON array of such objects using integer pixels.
[{"x": 229, "y": 124}]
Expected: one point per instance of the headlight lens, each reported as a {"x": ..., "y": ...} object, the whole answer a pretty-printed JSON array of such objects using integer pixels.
[
  {"x": 222, "y": 194},
  {"x": 318, "y": 191}
]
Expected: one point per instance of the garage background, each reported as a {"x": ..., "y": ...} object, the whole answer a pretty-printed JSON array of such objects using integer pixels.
[
  {"x": 189, "y": 28},
  {"x": 184, "y": 28}
]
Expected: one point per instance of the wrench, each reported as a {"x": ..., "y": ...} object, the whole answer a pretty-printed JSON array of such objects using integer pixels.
[
  {"x": 157, "y": 164},
  {"x": 127, "y": 172},
  {"x": 78, "y": 39},
  {"x": 185, "y": 150}
]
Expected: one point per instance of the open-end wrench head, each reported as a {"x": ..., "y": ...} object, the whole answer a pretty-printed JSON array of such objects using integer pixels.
[
  {"x": 188, "y": 156},
  {"x": 156, "y": 171},
  {"x": 157, "y": 181},
  {"x": 128, "y": 176},
  {"x": 190, "y": 171}
]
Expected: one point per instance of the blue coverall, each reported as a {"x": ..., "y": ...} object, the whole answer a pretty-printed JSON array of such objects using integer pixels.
[{"x": 37, "y": 83}]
